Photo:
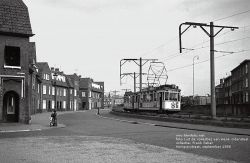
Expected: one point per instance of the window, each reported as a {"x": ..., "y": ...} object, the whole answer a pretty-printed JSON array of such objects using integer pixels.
[
  {"x": 89, "y": 93},
  {"x": 166, "y": 95},
  {"x": 44, "y": 89},
  {"x": 246, "y": 96},
  {"x": 246, "y": 82},
  {"x": 71, "y": 91},
  {"x": 53, "y": 104},
  {"x": 75, "y": 104},
  {"x": 38, "y": 104},
  {"x": 64, "y": 92},
  {"x": 38, "y": 88},
  {"x": 12, "y": 56},
  {"x": 33, "y": 82},
  {"x": 47, "y": 76},
  {"x": 83, "y": 94},
  {"x": 44, "y": 104},
  {"x": 49, "y": 90},
  {"x": 246, "y": 68},
  {"x": 75, "y": 92},
  {"x": 173, "y": 96},
  {"x": 53, "y": 90},
  {"x": 64, "y": 104}
]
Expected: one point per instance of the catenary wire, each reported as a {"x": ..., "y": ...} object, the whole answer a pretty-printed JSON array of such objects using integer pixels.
[{"x": 189, "y": 65}]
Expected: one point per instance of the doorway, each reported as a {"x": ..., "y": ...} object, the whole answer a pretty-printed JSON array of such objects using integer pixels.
[{"x": 11, "y": 107}]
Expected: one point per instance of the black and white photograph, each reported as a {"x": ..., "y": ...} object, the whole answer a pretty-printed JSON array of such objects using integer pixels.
[{"x": 124, "y": 81}]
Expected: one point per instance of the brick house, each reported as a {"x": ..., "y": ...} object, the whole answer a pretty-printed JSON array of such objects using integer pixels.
[
  {"x": 18, "y": 94},
  {"x": 228, "y": 91},
  {"x": 59, "y": 89},
  {"x": 220, "y": 92},
  {"x": 91, "y": 94},
  {"x": 46, "y": 86},
  {"x": 73, "y": 92},
  {"x": 240, "y": 87},
  {"x": 234, "y": 91}
]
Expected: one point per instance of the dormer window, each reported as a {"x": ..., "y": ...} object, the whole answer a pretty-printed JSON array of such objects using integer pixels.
[{"x": 12, "y": 57}]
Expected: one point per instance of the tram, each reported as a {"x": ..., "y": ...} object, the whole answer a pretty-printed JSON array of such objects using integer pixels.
[{"x": 165, "y": 98}]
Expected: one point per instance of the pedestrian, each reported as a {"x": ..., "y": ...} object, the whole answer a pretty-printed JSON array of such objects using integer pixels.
[{"x": 54, "y": 118}]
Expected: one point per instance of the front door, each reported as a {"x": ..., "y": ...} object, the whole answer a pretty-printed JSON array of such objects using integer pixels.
[{"x": 11, "y": 107}]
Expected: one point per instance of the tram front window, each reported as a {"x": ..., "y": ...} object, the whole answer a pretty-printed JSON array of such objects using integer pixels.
[
  {"x": 166, "y": 96},
  {"x": 174, "y": 96}
]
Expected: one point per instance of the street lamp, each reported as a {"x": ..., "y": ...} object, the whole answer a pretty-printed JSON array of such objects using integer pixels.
[{"x": 195, "y": 57}]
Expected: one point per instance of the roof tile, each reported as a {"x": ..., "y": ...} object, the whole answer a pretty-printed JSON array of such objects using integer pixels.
[{"x": 14, "y": 17}]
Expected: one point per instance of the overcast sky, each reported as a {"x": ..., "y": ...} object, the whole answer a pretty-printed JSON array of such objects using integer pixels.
[{"x": 90, "y": 37}]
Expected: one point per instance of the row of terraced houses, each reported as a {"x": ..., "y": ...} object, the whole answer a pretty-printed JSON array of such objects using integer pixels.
[
  {"x": 28, "y": 86},
  {"x": 233, "y": 91},
  {"x": 62, "y": 92}
]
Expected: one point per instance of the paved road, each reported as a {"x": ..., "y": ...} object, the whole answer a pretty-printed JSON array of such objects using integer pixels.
[{"x": 152, "y": 143}]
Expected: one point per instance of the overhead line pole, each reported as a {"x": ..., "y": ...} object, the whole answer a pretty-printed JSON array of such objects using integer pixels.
[
  {"x": 140, "y": 74},
  {"x": 141, "y": 63},
  {"x": 212, "y": 70},
  {"x": 134, "y": 82}
]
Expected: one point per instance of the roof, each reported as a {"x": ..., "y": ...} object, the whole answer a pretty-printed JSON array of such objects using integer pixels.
[
  {"x": 85, "y": 83},
  {"x": 42, "y": 65},
  {"x": 14, "y": 18},
  {"x": 246, "y": 60}
]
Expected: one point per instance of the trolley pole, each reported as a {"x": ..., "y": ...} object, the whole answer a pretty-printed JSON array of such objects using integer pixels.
[{"x": 212, "y": 69}]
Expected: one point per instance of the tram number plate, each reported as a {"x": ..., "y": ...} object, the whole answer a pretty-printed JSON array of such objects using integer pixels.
[{"x": 174, "y": 105}]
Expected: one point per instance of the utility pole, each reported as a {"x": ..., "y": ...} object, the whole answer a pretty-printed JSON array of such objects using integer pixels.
[
  {"x": 115, "y": 91},
  {"x": 113, "y": 101},
  {"x": 140, "y": 62},
  {"x": 134, "y": 82},
  {"x": 212, "y": 70},
  {"x": 140, "y": 74},
  {"x": 134, "y": 76}
]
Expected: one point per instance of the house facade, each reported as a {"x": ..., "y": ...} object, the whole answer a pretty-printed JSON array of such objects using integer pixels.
[
  {"x": 46, "y": 95},
  {"x": 91, "y": 94},
  {"x": 236, "y": 90},
  {"x": 59, "y": 89},
  {"x": 73, "y": 92},
  {"x": 18, "y": 71}
]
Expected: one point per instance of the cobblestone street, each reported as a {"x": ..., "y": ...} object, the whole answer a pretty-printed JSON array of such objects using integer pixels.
[{"x": 90, "y": 149}]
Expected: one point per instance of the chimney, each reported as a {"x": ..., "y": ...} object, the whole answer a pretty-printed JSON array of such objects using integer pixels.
[
  {"x": 57, "y": 69},
  {"x": 52, "y": 68},
  {"x": 221, "y": 81}
]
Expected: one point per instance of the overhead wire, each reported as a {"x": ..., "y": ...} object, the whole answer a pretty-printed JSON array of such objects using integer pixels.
[
  {"x": 189, "y": 65},
  {"x": 232, "y": 15},
  {"x": 226, "y": 42},
  {"x": 169, "y": 41}
]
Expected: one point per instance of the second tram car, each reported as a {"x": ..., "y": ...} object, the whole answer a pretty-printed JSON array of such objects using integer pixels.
[{"x": 165, "y": 98}]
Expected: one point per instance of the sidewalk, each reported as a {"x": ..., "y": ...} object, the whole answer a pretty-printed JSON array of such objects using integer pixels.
[
  {"x": 39, "y": 121},
  {"x": 156, "y": 121}
]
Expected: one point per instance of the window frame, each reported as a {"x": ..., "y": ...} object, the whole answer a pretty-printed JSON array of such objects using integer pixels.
[{"x": 7, "y": 60}]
